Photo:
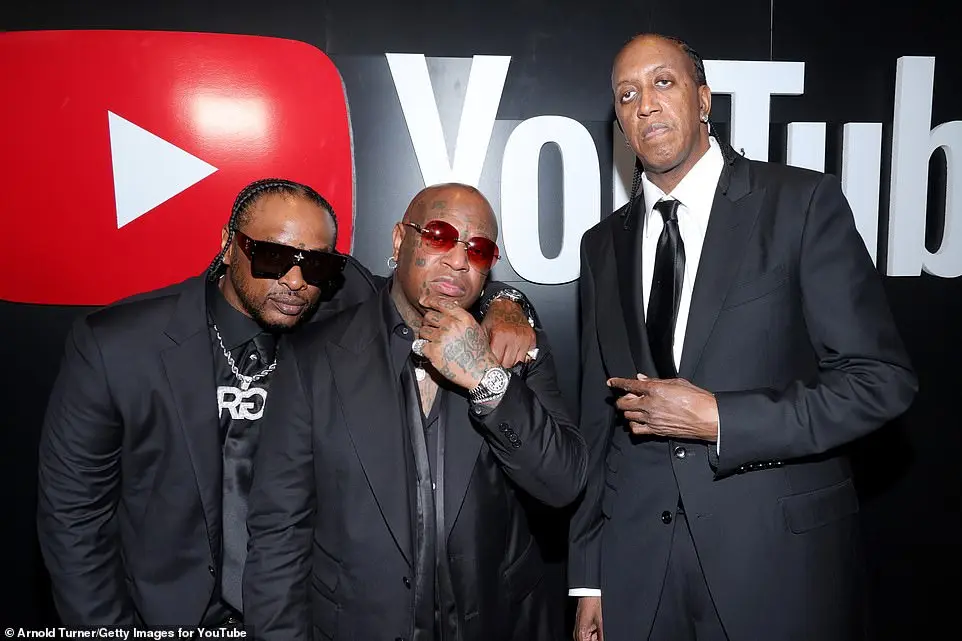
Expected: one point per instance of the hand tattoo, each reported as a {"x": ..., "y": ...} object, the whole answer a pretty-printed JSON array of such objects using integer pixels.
[
  {"x": 469, "y": 352},
  {"x": 509, "y": 313}
]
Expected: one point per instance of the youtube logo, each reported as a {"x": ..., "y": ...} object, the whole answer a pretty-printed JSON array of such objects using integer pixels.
[{"x": 124, "y": 151}]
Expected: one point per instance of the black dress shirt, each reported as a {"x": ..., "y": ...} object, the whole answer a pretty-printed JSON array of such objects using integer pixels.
[
  {"x": 424, "y": 437},
  {"x": 400, "y": 338},
  {"x": 239, "y": 413}
]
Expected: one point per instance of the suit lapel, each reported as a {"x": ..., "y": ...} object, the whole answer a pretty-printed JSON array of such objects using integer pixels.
[
  {"x": 626, "y": 238},
  {"x": 362, "y": 374},
  {"x": 462, "y": 445},
  {"x": 189, "y": 365},
  {"x": 734, "y": 210}
]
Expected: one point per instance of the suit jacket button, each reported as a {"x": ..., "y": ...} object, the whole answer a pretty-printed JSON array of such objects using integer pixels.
[
  {"x": 210, "y": 568},
  {"x": 680, "y": 452},
  {"x": 407, "y": 583},
  {"x": 666, "y": 517}
]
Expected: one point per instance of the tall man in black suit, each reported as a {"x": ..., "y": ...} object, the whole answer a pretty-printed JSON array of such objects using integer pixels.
[
  {"x": 735, "y": 334},
  {"x": 152, "y": 424},
  {"x": 392, "y": 483}
]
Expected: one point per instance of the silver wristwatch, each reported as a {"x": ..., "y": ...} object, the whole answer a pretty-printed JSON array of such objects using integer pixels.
[{"x": 494, "y": 383}]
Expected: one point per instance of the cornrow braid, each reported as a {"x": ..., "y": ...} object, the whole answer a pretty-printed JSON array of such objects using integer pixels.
[
  {"x": 636, "y": 179},
  {"x": 727, "y": 151},
  {"x": 244, "y": 205}
]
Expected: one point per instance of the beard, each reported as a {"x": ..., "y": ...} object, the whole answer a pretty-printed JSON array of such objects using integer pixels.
[{"x": 254, "y": 306}]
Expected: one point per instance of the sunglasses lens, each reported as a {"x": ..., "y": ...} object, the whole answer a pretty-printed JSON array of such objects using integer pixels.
[
  {"x": 440, "y": 236},
  {"x": 270, "y": 260},
  {"x": 482, "y": 253},
  {"x": 320, "y": 268}
]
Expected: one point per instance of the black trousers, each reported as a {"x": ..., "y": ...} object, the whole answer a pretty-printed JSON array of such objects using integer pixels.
[{"x": 685, "y": 611}]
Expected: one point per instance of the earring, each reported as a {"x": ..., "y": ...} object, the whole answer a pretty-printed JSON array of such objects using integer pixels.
[
  {"x": 704, "y": 117},
  {"x": 391, "y": 262}
]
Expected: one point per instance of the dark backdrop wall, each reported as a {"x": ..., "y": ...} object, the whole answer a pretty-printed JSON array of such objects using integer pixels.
[{"x": 559, "y": 57}]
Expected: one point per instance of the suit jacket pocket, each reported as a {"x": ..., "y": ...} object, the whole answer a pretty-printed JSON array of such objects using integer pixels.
[
  {"x": 324, "y": 607},
  {"x": 804, "y": 512},
  {"x": 766, "y": 283},
  {"x": 323, "y": 613},
  {"x": 325, "y": 570},
  {"x": 524, "y": 573}
]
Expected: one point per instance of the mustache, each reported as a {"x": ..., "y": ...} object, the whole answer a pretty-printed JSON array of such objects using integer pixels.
[{"x": 288, "y": 299}]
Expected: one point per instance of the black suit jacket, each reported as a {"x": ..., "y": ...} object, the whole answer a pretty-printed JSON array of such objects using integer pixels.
[
  {"x": 790, "y": 329},
  {"x": 331, "y": 518},
  {"x": 130, "y": 464}
]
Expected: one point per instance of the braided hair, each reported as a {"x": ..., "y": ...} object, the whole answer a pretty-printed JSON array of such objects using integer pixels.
[
  {"x": 243, "y": 210},
  {"x": 701, "y": 79}
]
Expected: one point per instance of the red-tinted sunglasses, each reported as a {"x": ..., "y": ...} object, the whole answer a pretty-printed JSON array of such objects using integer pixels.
[
  {"x": 440, "y": 237},
  {"x": 273, "y": 260}
]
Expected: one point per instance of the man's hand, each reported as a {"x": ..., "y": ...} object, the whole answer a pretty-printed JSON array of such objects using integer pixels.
[
  {"x": 667, "y": 407},
  {"x": 510, "y": 334},
  {"x": 457, "y": 346},
  {"x": 588, "y": 620}
]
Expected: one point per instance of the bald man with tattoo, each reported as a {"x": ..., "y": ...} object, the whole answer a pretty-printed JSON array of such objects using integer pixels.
[{"x": 400, "y": 464}]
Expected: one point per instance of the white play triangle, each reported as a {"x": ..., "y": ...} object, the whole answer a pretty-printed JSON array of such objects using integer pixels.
[{"x": 148, "y": 170}]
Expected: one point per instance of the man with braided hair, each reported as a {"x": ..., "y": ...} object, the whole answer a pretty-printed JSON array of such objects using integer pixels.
[{"x": 148, "y": 440}]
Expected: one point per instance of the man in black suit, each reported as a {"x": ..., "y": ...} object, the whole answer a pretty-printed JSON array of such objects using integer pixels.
[
  {"x": 735, "y": 334},
  {"x": 150, "y": 430},
  {"x": 392, "y": 485}
]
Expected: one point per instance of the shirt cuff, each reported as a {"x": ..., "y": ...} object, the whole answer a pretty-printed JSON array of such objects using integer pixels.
[
  {"x": 486, "y": 407},
  {"x": 718, "y": 438},
  {"x": 584, "y": 592}
]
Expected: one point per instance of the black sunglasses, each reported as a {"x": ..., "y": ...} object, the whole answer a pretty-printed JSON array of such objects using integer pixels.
[{"x": 273, "y": 260}]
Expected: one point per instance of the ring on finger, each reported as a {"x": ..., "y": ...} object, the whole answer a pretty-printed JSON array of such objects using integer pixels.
[{"x": 418, "y": 346}]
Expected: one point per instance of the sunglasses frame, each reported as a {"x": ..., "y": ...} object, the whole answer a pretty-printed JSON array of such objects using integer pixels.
[
  {"x": 426, "y": 233},
  {"x": 249, "y": 246}
]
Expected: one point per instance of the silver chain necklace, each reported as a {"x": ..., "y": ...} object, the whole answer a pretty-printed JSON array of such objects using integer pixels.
[{"x": 243, "y": 378}]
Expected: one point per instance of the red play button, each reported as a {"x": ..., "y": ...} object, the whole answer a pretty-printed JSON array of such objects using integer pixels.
[{"x": 125, "y": 150}]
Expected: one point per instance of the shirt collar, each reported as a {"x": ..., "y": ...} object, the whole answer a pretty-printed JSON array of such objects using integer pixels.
[
  {"x": 392, "y": 317},
  {"x": 400, "y": 336},
  {"x": 235, "y": 328},
  {"x": 696, "y": 190}
]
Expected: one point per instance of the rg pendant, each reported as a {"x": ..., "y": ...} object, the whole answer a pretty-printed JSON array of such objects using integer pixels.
[{"x": 245, "y": 384}]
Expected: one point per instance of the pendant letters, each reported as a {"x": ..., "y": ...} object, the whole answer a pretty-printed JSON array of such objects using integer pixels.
[{"x": 242, "y": 404}]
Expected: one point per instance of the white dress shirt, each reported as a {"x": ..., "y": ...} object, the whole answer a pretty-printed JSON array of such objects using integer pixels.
[{"x": 695, "y": 194}]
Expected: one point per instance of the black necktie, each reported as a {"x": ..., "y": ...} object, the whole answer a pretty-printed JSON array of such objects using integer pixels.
[
  {"x": 665, "y": 295},
  {"x": 240, "y": 445}
]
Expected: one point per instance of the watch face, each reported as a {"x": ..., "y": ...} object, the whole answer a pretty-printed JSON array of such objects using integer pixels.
[{"x": 496, "y": 380}]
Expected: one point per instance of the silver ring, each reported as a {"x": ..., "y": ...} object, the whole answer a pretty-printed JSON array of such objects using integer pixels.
[{"x": 418, "y": 346}]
